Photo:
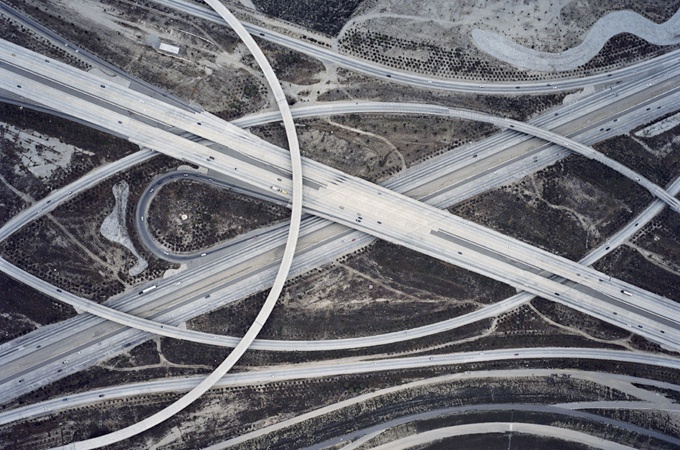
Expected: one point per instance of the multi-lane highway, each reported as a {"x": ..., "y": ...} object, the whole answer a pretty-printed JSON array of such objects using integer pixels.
[
  {"x": 333, "y": 368},
  {"x": 281, "y": 275},
  {"x": 388, "y": 216},
  {"x": 85, "y": 55},
  {"x": 420, "y": 227},
  {"x": 480, "y": 155}
]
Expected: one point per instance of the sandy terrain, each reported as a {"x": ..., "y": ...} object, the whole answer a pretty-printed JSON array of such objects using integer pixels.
[{"x": 113, "y": 228}]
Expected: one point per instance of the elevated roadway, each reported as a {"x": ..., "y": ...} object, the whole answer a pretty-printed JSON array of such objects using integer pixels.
[
  {"x": 479, "y": 261},
  {"x": 417, "y": 332},
  {"x": 635, "y": 102},
  {"x": 85, "y": 55},
  {"x": 281, "y": 275}
]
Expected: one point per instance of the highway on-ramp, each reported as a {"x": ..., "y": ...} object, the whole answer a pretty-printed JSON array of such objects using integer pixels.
[
  {"x": 279, "y": 281},
  {"x": 348, "y": 247}
]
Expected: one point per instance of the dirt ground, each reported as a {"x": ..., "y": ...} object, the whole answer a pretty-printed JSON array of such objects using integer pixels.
[
  {"x": 320, "y": 15},
  {"x": 93, "y": 149},
  {"x": 660, "y": 167},
  {"x": 633, "y": 266},
  {"x": 401, "y": 287},
  {"x": 213, "y": 215},
  {"x": 23, "y": 309},
  {"x": 435, "y": 38},
  {"x": 207, "y": 72},
  {"x": 568, "y": 208},
  {"x": 67, "y": 248},
  {"x": 660, "y": 241},
  {"x": 236, "y": 410}
]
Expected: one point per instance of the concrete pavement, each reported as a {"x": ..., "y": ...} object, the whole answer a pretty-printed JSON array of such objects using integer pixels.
[{"x": 407, "y": 225}]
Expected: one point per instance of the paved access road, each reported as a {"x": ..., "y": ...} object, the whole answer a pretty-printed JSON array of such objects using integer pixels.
[
  {"x": 332, "y": 368},
  {"x": 386, "y": 73}
]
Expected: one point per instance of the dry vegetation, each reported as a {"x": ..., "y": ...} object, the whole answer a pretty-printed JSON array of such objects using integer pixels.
[
  {"x": 325, "y": 16},
  {"x": 236, "y": 410},
  {"x": 471, "y": 64},
  {"x": 18, "y": 34},
  {"x": 23, "y": 309},
  {"x": 95, "y": 149},
  {"x": 345, "y": 299},
  {"x": 213, "y": 215},
  {"x": 661, "y": 167},
  {"x": 660, "y": 240},
  {"x": 376, "y": 146},
  {"x": 631, "y": 265},
  {"x": 568, "y": 208},
  {"x": 67, "y": 249},
  {"x": 434, "y": 38},
  {"x": 198, "y": 75},
  {"x": 291, "y": 66}
]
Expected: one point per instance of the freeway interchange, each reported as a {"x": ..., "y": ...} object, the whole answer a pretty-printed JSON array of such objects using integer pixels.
[
  {"x": 348, "y": 213},
  {"x": 329, "y": 194}
]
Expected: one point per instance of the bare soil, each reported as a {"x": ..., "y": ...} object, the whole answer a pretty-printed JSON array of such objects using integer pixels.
[
  {"x": 98, "y": 148},
  {"x": 631, "y": 153},
  {"x": 417, "y": 138},
  {"x": 291, "y": 66},
  {"x": 586, "y": 13},
  {"x": 145, "y": 354},
  {"x": 571, "y": 318},
  {"x": 384, "y": 408},
  {"x": 42, "y": 249},
  {"x": 351, "y": 152},
  {"x": 662, "y": 144},
  {"x": 234, "y": 411},
  {"x": 661, "y": 238},
  {"x": 67, "y": 249},
  {"x": 197, "y": 75},
  {"x": 404, "y": 289},
  {"x": 355, "y": 85},
  {"x": 376, "y": 146},
  {"x": 416, "y": 55}
]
